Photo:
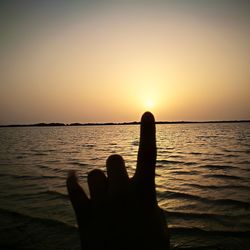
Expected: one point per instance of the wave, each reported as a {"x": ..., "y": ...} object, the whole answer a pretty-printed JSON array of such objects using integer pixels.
[
  {"x": 228, "y": 202},
  {"x": 135, "y": 143},
  {"x": 176, "y": 156},
  {"x": 247, "y": 151},
  {"x": 22, "y": 231},
  {"x": 79, "y": 163},
  {"x": 222, "y": 176},
  {"x": 169, "y": 162},
  {"x": 232, "y": 156},
  {"x": 201, "y": 232},
  {"x": 43, "y": 166},
  {"x": 176, "y": 162},
  {"x": 190, "y": 163},
  {"x": 31, "y": 177},
  {"x": 216, "y": 167},
  {"x": 206, "y": 216},
  {"x": 20, "y": 156},
  {"x": 53, "y": 193},
  {"x": 219, "y": 187},
  {"x": 88, "y": 145},
  {"x": 245, "y": 162},
  {"x": 193, "y": 172},
  {"x": 48, "y": 193},
  {"x": 11, "y": 213},
  {"x": 39, "y": 154},
  {"x": 53, "y": 168},
  {"x": 34, "y": 194}
]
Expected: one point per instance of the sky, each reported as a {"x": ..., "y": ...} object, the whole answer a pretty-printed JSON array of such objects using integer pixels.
[{"x": 109, "y": 61}]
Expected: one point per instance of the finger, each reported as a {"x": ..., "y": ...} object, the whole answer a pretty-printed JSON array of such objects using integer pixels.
[
  {"x": 117, "y": 173},
  {"x": 79, "y": 199},
  {"x": 145, "y": 171},
  {"x": 97, "y": 182}
]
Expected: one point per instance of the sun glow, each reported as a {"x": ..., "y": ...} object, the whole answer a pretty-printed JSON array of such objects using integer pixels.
[{"x": 149, "y": 104}]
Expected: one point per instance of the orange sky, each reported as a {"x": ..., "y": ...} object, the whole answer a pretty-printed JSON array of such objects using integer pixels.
[{"x": 71, "y": 62}]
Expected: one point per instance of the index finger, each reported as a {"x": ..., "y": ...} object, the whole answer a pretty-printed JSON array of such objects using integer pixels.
[{"x": 145, "y": 171}]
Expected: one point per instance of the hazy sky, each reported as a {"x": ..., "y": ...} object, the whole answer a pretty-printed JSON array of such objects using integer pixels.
[{"x": 99, "y": 61}]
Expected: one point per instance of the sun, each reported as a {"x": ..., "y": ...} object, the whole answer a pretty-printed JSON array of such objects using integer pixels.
[{"x": 149, "y": 104}]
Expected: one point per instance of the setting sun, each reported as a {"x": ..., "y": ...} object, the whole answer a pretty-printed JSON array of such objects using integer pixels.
[{"x": 149, "y": 104}]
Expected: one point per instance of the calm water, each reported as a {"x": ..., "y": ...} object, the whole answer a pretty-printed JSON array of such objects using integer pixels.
[{"x": 203, "y": 181}]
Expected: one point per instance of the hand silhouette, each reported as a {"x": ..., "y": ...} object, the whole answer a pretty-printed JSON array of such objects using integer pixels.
[{"x": 122, "y": 212}]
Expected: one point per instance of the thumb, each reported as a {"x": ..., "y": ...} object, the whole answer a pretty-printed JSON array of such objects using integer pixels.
[{"x": 78, "y": 197}]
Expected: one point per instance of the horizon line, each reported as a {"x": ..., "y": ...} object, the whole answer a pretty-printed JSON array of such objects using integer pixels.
[{"x": 55, "y": 124}]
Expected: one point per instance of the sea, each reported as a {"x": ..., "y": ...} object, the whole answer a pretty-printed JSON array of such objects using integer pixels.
[{"x": 202, "y": 179}]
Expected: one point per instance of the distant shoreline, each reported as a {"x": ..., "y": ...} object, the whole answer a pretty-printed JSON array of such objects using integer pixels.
[{"x": 116, "y": 123}]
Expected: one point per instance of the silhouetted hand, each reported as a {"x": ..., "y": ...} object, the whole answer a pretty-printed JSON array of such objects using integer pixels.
[{"x": 122, "y": 212}]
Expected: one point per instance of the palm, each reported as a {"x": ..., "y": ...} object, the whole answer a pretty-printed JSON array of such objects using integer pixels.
[{"x": 122, "y": 213}]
